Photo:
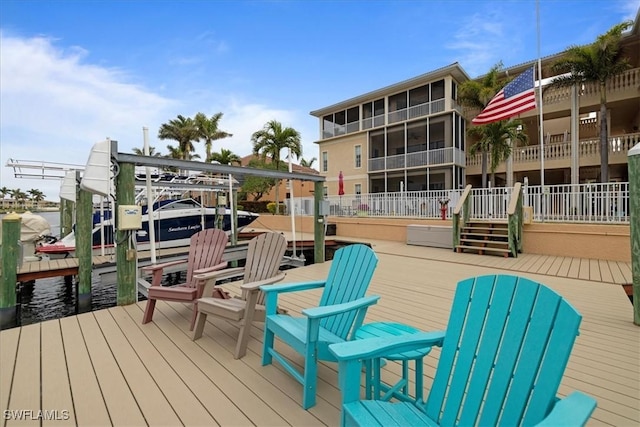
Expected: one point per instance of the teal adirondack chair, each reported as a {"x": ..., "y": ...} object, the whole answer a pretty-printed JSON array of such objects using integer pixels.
[
  {"x": 503, "y": 356},
  {"x": 340, "y": 312}
]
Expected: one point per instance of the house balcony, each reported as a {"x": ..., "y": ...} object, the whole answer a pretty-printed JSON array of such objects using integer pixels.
[
  {"x": 559, "y": 154},
  {"x": 438, "y": 157},
  {"x": 622, "y": 86},
  {"x": 380, "y": 120}
]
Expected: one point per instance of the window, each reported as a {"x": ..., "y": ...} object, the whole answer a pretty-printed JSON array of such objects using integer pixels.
[
  {"x": 358, "y": 154},
  {"x": 419, "y": 95},
  {"x": 325, "y": 192},
  {"x": 325, "y": 161},
  {"x": 340, "y": 121},
  {"x": 358, "y": 189},
  {"x": 327, "y": 126},
  {"x": 398, "y": 101},
  {"x": 353, "y": 119},
  {"x": 437, "y": 90},
  {"x": 454, "y": 90}
]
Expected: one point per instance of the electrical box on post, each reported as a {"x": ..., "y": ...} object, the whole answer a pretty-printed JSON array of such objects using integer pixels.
[
  {"x": 129, "y": 217},
  {"x": 324, "y": 208}
]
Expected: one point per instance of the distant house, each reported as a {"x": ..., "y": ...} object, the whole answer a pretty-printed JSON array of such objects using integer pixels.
[{"x": 300, "y": 188}]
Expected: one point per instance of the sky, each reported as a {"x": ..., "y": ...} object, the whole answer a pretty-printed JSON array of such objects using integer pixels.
[{"x": 73, "y": 73}]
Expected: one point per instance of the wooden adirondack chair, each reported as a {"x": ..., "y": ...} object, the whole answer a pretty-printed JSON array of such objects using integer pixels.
[
  {"x": 205, "y": 256},
  {"x": 340, "y": 312},
  {"x": 262, "y": 267},
  {"x": 503, "y": 356}
]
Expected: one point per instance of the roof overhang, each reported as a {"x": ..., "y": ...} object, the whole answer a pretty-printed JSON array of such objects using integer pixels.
[{"x": 454, "y": 70}]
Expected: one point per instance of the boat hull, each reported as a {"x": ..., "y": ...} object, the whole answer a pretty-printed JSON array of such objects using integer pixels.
[{"x": 173, "y": 227}]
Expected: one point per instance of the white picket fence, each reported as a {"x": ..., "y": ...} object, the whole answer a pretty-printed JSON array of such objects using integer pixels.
[{"x": 584, "y": 203}]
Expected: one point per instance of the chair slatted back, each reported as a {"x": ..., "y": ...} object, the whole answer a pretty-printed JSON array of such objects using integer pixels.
[
  {"x": 349, "y": 276},
  {"x": 264, "y": 257},
  {"x": 507, "y": 344},
  {"x": 206, "y": 248}
]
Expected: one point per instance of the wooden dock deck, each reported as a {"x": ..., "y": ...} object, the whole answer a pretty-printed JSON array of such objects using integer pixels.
[{"x": 106, "y": 368}]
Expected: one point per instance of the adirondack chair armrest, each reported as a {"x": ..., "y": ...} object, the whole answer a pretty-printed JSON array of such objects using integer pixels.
[
  {"x": 575, "y": 409},
  {"x": 291, "y": 287},
  {"x": 256, "y": 285},
  {"x": 371, "y": 348},
  {"x": 219, "y": 274},
  {"x": 154, "y": 267},
  {"x": 216, "y": 267},
  {"x": 331, "y": 310}
]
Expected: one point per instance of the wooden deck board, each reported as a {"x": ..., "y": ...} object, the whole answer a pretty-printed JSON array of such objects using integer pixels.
[
  {"x": 56, "y": 390},
  {"x": 8, "y": 348},
  {"x": 152, "y": 347},
  {"x": 107, "y": 368},
  {"x": 149, "y": 397},
  {"x": 25, "y": 389},
  {"x": 88, "y": 404}
]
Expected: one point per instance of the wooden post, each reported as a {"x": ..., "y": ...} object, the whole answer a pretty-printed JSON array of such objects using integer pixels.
[
  {"x": 66, "y": 217},
  {"x": 126, "y": 258},
  {"x": 11, "y": 224},
  {"x": 634, "y": 220},
  {"x": 318, "y": 223},
  {"x": 84, "y": 248}
]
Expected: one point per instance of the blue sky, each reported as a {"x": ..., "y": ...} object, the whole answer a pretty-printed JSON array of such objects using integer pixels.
[{"x": 75, "y": 72}]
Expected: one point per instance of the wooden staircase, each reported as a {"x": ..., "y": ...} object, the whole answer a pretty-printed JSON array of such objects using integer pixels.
[{"x": 484, "y": 237}]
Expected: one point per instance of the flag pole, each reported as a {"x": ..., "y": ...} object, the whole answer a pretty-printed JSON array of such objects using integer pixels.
[{"x": 542, "y": 200}]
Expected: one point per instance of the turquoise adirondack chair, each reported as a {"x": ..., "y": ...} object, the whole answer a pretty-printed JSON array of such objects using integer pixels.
[
  {"x": 503, "y": 356},
  {"x": 340, "y": 312}
]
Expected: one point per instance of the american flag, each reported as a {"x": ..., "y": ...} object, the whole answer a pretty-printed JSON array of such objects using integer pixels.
[{"x": 515, "y": 98}]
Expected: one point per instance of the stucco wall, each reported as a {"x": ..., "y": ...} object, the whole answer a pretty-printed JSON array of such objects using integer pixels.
[{"x": 607, "y": 242}]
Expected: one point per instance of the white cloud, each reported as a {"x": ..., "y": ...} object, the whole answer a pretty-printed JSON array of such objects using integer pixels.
[
  {"x": 56, "y": 104},
  {"x": 479, "y": 43},
  {"x": 243, "y": 119}
]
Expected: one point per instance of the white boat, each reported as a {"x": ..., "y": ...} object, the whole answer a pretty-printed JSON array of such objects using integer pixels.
[{"x": 175, "y": 221}]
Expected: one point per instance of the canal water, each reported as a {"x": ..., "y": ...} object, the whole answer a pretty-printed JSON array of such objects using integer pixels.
[{"x": 52, "y": 299}]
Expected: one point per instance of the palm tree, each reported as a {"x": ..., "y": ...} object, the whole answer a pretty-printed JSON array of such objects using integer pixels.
[
  {"x": 18, "y": 196},
  {"x": 225, "y": 157},
  {"x": 307, "y": 163},
  {"x": 208, "y": 131},
  {"x": 152, "y": 152},
  {"x": 36, "y": 196},
  {"x": 271, "y": 140},
  {"x": 596, "y": 63},
  {"x": 497, "y": 138},
  {"x": 184, "y": 131},
  {"x": 477, "y": 94},
  {"x": 4, "y": 191}
]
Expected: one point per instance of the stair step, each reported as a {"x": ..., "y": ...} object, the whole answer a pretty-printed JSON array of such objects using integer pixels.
[
  {"x": 482, "y": 249},
  {"x": 477, "y": 227},
  {"x": 499, "y": 235},
  {"x": 498, "y": 243}
]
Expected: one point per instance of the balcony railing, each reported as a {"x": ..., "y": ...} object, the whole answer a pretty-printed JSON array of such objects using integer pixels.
[
  {"x": 562, "y": 150},
  {"x": 440, "y": 156},
  {"x": 421, "y": 110},
  {"x": 630, "y": 79}
]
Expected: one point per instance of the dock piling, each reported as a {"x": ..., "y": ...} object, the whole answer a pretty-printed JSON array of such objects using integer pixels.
[
  {"x": 11, "y": 224},
  {"x": 84, "y": 248}
]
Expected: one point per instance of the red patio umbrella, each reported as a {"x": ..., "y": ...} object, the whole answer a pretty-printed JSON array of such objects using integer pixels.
[{"x": 340, "y": 184}]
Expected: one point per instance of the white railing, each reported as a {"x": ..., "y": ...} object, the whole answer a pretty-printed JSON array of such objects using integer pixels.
[
  {"x": 583, "y": 203},
  {"x": 594, "y": 203},
  {"x": 619, "y": 144},
  {"x": 440, "y": 156}
]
